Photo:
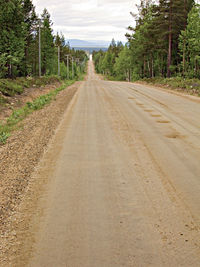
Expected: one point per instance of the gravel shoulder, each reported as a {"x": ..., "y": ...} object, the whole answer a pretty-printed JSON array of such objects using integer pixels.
[{"x": 19, "y": 158}]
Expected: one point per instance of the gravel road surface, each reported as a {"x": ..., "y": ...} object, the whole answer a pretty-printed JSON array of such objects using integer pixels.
[{"x": 122, "y": 181}]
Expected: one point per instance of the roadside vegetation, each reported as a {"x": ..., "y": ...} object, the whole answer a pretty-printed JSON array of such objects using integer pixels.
[
  {"x": 9, "y": 87},
  {"x": 191, "y": 86},
  {"x": 12, "y": 123},
  {"x": 23, "y": 34},
  {"x": 163, "y": 47},
  {"x": 18, "y": 115},
  {"x": 20, "y": 32}
]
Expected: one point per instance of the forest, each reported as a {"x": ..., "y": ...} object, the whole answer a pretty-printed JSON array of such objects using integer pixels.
[
  {"x": 20, "y": 31},
  {"x": 164, "y": 44}
]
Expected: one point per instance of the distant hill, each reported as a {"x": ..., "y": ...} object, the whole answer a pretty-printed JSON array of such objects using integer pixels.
[
  {"x": 91, "y": 49},
  {"x": 82, "y": 43}
]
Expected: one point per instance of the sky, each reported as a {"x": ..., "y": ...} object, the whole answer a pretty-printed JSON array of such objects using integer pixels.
[{"x": 90, "y": 19}]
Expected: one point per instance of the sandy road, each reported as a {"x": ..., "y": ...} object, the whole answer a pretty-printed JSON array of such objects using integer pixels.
[{"x": 125, "y": 187}]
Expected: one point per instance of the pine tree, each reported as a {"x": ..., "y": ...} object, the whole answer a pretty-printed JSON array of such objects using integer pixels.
[
  {"x": 190, "y": 43},
  {"x": 31, "y": 24},
  {"x": 123, "y": 64},
  {"x": 47, "y": 43},
  {"x": 12, "y": 32},
  {"x": 155, "y": 38},
  {"x": 170, "y": 20}
]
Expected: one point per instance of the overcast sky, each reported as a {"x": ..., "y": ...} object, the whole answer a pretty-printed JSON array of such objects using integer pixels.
[{"x": 90, "y": 19}]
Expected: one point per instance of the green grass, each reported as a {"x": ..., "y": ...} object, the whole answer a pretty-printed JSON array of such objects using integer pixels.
[
  {"x": 81, "y": 76},
  {"x": 19, "y": 114},
  {"x": 192, "y": 86},
  {"x": 3, "y": 100},
  {"x": 9, "y": 87},
  {"x": 3, "y": 137}
]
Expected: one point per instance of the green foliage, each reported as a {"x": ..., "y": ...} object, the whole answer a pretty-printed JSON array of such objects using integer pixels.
[
  {"x": 123, "y": 66},
  {"x": 45, "y": 80},
  {"x": 10, "y": 87},
  {"x": 17, "y": 115},
  {"x": 3, "y": 65},
  {"x": 189, "y": 44},
  {"x": 3, "y": 100},
  {"x": 105, "y": 61},
  {"x": 40, "y": 102},
  {"x": 19, "y": 42},
  {"x": 190, "y": 85},
  {"x": 164, "y": 43},
  {"x": 20, "y": 114},
  {"x": 63, "y": 71},
  {"x": 12, "y": 43},
  {"x": 3, "y": 137},
  {"x": 47, "y": 43}
]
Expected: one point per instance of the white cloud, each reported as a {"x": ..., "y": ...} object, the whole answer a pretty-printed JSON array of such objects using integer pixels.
[{"x": 90, "y": 19}]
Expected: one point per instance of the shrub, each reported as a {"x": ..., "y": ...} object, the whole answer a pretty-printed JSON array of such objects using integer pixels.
[
  {"x": 3, "y": 100},
  {"x": 63, "y": 71},
  {"x": 10, "y": 88},
  {"x": 191, "y": 85},
  {"x": 3, "y": 137}
]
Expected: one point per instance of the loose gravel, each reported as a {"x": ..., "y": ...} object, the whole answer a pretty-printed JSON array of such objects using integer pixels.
[{"x": 20, "y": 156}]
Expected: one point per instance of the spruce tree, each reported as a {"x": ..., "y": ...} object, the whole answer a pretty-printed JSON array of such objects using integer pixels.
[
  {"x": 190, "y": 44},
  {"x": 12, "y": 40},
  {"x": 170, "y": 20},
  {"x": 31, "y": 25},
  {"x": 47, "y": 43}
]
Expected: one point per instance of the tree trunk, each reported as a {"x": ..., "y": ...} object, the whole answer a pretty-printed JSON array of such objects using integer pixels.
[
  {"x": 149, "y": 68},
  {"x": 25, "y": 60},
  {"x": 10, "y": 71},
  {"x": 184, "y": 48},
  {"x": 196, "y": 68},
  {"x": 170, "y": 43},
  {"x": 184, "y": 42},
  {"x": 129, "y": 75},
  {"x": 152, "y": 67},
  {"x": 169, "y": 53},
  {"x": 144, "y": 68}
]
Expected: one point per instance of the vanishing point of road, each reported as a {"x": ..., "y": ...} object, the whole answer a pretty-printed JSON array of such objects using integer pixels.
[{"x": 124, "y": 188}]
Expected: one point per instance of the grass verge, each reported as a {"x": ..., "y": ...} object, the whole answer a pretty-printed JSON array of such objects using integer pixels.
[
  {"x": 9, "y": 87},
  {"x": 19, "y": 114},
  {"x": 191, "y": 86}
]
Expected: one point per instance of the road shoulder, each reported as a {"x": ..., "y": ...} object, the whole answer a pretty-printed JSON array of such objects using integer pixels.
[{"x": 19, "y": 158}]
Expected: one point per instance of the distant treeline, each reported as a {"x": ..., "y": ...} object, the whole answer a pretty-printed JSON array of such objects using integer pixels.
[
  {"x": 91, "y": 49},
  {"x": 19, "y": 42},
  {"x": 164, "y": 43}
]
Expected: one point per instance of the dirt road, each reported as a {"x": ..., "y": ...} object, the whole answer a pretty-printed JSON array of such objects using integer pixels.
[{"x": 124, "y": 172}]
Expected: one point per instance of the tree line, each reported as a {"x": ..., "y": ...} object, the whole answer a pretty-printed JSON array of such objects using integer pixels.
[
  {"x": 164, "y": 43},
  {"x": 19, "y": 43}
]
